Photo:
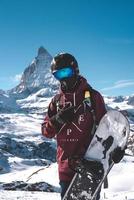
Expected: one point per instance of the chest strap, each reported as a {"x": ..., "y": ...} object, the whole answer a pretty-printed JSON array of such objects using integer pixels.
[{"x": 89, "y": 102}]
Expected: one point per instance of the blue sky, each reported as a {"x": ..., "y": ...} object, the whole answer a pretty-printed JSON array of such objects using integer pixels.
[{"x": 99, "y": 33}]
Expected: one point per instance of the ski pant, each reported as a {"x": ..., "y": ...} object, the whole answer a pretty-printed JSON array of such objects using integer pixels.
[{"x": 64, "y": 186}]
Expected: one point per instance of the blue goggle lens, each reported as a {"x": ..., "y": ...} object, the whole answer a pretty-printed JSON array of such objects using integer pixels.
[{"x": 63, "y": 73}]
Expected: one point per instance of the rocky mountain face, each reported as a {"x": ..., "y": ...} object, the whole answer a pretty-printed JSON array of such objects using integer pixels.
[
  {"x": 37, "y": 75},
  {"x": 129, "y": 99},
  {"x": 2, "y": 92}
]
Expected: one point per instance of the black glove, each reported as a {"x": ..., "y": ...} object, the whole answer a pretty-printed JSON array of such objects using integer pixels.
[
  {"x": 63, "y": 116},
  {"x": 118, "y": 154}
]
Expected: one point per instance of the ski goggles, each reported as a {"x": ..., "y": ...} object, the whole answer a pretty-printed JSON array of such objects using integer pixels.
[{"x": 63, "y": 73}]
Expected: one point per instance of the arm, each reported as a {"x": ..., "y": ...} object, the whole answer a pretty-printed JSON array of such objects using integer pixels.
[
  {"x": 99, "y": 106},
  {"x": 47, "y": 128},
  {"x": 54, "y": 120}
]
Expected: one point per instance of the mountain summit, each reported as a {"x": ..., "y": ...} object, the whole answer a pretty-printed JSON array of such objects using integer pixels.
[{"x": 42, "y": 50}]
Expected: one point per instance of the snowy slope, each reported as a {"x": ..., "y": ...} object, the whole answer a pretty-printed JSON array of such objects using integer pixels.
[
  {"x": 121, "y": 102},
  {"x": 28, "y": 159}
]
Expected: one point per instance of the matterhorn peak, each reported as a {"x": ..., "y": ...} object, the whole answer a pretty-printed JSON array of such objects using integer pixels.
[
  {"x": 42, "y": 50},
  {"x": 37, "y": 75}
]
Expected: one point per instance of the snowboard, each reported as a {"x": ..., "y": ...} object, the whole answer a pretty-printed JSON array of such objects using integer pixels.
[{"x": 112, "y": 132}]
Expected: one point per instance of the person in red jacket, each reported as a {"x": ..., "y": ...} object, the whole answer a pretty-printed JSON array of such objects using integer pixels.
[{"x": 71, "y": 118}]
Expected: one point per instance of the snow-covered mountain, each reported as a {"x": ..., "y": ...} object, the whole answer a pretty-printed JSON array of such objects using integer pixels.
[
  {"x": 36, "y": 83},
  {"x": 37, "y": 75},
  {"x": 37, "y": 86},
  {"x": 27, "y": 159}
]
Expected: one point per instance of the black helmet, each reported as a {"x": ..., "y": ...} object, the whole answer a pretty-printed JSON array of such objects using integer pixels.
[{"x": 63, "y": 60}]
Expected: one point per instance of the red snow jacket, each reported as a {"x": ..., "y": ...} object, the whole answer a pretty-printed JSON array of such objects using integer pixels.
[{"x": 73, "y": 138}]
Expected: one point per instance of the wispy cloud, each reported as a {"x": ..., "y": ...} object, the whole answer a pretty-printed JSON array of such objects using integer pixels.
[
  {"x": 13, "y": 79},
  {"x": 8, "y": 82},
  {"x": 16, "y": 78},
  {"x": 119, "y": 84}
]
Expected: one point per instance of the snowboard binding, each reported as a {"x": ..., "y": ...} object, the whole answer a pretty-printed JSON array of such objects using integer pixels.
[{"x": 79, "y": 165}]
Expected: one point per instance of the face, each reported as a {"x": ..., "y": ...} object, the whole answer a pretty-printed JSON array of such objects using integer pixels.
[{"x": 68, "y": 84}]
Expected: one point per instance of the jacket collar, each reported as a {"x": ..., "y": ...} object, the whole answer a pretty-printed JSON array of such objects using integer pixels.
[
  {"x": 76, "y": 96},
  {"x": 82, "y": 85}
]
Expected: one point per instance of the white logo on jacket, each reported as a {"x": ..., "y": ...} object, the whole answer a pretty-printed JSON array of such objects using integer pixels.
[
  {"x": 69, "y": 131},
  {"x": 81, "y": 119}
]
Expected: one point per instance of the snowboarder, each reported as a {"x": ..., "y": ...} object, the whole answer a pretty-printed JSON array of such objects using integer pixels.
[{"x": 72, "y": 116}]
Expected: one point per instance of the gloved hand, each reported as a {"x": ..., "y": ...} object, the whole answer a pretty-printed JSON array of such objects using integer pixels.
[
  {"x": 118, "y": 154},
  {"x": 63, "y": 116},
  {"x": 75, "y": 162}
]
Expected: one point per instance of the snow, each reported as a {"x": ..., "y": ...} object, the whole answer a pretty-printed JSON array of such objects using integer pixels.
[
  {"x": 21, "y": 195},
  {"x": 24, "y": 173},
  {"x": 113, "y": 102},
  {"x": 121, "y": 185},
  {"x": 123, "y": 175},
  {"x": 120, "y": 178}
]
